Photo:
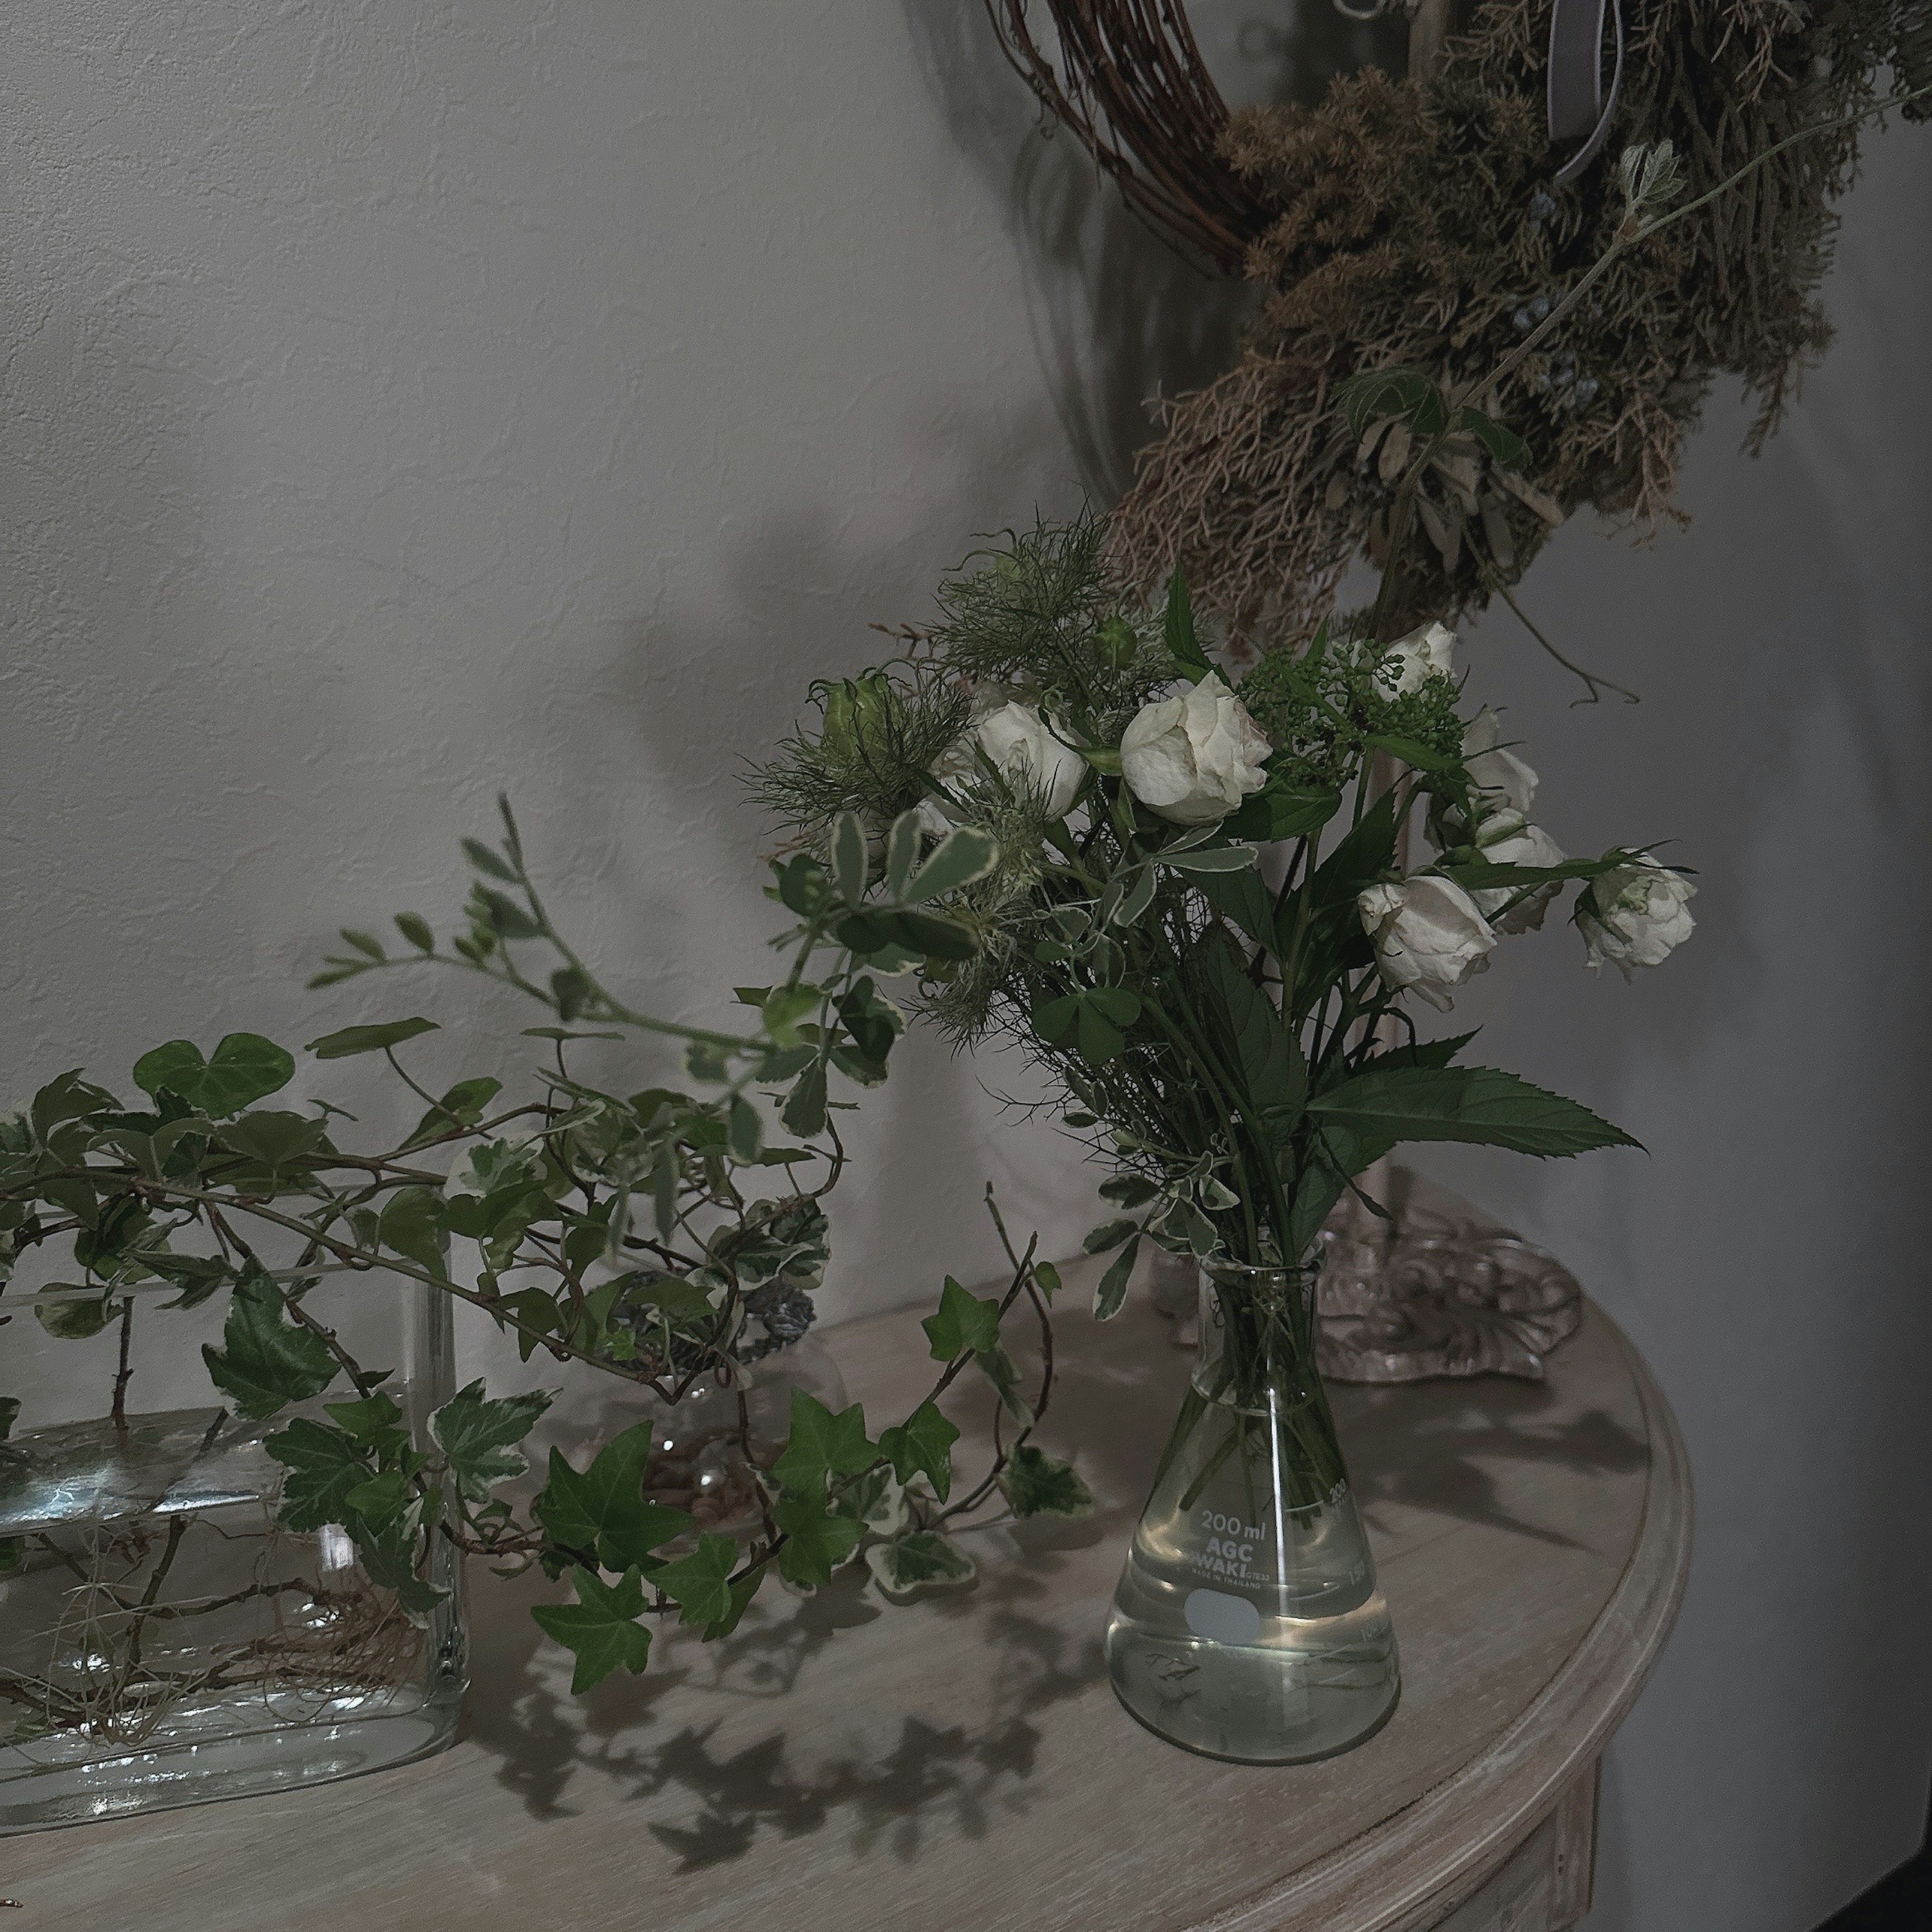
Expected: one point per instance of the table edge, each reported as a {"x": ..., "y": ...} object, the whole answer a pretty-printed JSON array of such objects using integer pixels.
[{"x": 1407, "y": 1871}]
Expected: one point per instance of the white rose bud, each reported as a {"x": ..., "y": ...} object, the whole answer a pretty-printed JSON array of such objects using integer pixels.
[
  {"x": 1501, "y": 780},
  {"x": 1636, "y": 915},
  {"x": 1428, "y": 935},
  {"x": 1426, "y": 652},
  {"x": 1505, "y": 840},
  {"x": 1022, "y": 749},
  {"x": 1194, "y": 758},
  {"x": 1026, "y": 753}
]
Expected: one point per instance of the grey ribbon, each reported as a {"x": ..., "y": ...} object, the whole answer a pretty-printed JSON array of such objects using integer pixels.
[{"x": 1578, "y": 106}]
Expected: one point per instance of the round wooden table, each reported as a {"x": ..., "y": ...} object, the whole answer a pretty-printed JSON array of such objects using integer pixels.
[{"x": 962, "y": 1763}]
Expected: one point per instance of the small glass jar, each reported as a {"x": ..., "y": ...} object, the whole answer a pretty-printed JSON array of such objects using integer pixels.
[
  {"x": 162, "y": 1640},
  {"x": 712, "y": 1442}
]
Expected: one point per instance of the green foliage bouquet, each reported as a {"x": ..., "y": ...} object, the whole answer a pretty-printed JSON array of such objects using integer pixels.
[
  {"x": 1197, "y": 920},
  {"x": 661, "y": 1236}
]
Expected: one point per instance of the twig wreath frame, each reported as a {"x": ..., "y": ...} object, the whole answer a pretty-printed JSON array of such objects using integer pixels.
[{"x": 1419, "y": 222}]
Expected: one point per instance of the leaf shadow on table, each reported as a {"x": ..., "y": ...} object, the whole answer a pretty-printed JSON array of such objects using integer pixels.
[
  {"x": 1481, "y": 1436},
  {"x": 635, "y": 1739}
]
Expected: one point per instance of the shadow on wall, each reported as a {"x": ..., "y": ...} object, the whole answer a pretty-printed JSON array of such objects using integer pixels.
[{"x": 1117, "y": 318}]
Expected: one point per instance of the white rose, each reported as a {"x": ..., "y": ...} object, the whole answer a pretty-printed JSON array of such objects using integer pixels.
[
  {"x": 1505, "y": 840},
  {"x": 1426, "y": 652},
  {"x": 1428, "y": 935},
  {"x": 1194, "y": 758},
  {"x": 1637, "y": 915},
  {"x": 1026, "y": 753},
  {"x": 1021, "y": 748},
  {"x": 1501, "y": 779}
]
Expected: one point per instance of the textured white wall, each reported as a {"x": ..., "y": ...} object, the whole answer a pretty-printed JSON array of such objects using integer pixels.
[{"x": 403, "y": 403}]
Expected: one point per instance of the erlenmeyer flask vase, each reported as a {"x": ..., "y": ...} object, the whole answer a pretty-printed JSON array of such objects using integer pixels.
[{"x": 1247, "y": 1624}]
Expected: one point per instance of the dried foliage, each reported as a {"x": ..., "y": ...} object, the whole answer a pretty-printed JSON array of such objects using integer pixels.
[{"x": 1413, "y": 224}]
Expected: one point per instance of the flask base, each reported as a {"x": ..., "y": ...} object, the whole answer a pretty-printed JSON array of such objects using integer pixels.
[{"x": 1265, "y": 1704}]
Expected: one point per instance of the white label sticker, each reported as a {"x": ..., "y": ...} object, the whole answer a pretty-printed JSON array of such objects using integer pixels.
[{"x": 1221, "y": 1619}]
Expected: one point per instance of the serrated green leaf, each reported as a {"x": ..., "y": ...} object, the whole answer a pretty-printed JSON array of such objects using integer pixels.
[
  {"x": 601, "y": 1629},
  {"x": 922, "y": 1444},
  {"x": 1480, "y": 1105},
  {"x": 243, "y": 1068},
  {"x": 478, "y": 1435},
  {"x": 266, "y": 1360},
  {"x": 368, "y": 1039},
  {"x": 964, "y": 1321},
  {"x": 1178, "y": 634},
  {"x": 918, "y": 1561},
  {"x": 700, "y": 1583},
  {"x": 1035, "y": 1485},
  {"x": 604, "y": 1507},
  {"x": 1507, "y": 449}
]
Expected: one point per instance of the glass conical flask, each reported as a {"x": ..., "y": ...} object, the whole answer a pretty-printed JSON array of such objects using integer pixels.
[{"x": 1247, "y": 1624}]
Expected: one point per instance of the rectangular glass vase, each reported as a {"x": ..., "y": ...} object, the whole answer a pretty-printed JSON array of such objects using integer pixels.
[{"x": 162, "y": 1640}]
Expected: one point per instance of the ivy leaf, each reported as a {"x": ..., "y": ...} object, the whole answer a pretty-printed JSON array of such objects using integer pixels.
[
  {"x": 411, "y": 1224},
  {"x": 742, "y": 1592},
  {"x": 463, "y": 1106},
  {"x": 804, "y": 1110},
  {"x": 266, "y": 1360},
  {"x": 822, "y": 1444},
  {"x": 877, "y": 1499},
  {"x": 919, "y": 1561},
  {"x": 478, "y": 1435},
  {"x": 603, "y": 1508},
  {"x": 245, "y": 1068},
  {"x": 999, "y": 1369},
  {"x": 10, "y": 1413},
  {"x": 816, "y": 1540},
  {"x": 964, "y": 1321},
  {"x": 1112, "y": 1290},
  {"x": 388, "y": 1557},
  {"x": 379, "y": 1502},
  {"x": 601, "y": 1629},
  {"x": 324, "y": 1465},
  {"x": 746, "y": 1130},
  {"x": 922, "y": 1444},
  {"x": 276, "y": 1140},
  {"x": 1036, "y": 1485},
  {"x": 701, "y": 1582},
  {"x": 356, "y": 1040},
  {"x": 75, "y": 1317}
]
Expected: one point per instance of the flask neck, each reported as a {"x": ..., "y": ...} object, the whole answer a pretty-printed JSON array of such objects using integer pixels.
[{"x": 1257, "y": 1335}]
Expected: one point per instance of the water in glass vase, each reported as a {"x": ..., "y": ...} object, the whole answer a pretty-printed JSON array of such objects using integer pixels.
[
  {"x": 162, "y": 1640},
  {"x": 1247, "y": 1623}
]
